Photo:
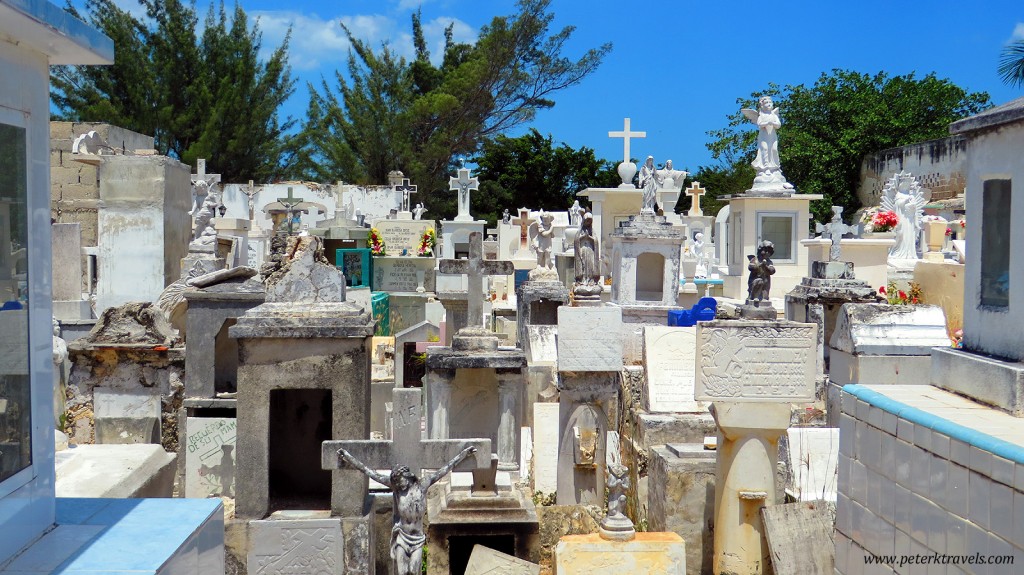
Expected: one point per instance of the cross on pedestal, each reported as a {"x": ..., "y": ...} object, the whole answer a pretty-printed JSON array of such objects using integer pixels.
[
  {"x": 626, "y": 135},
  {"x": 476, "y": 267},
  {"x": 407, "y": 446},
  {"x": 523, "y": 221},
  {"x": 834, "y": 231},
  {"x": 463, "y": 184},
  {"x": 406, "y": 189},
  {"x": 695, "y": 191}
]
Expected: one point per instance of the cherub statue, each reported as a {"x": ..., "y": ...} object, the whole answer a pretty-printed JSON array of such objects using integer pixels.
[
  {"x": 418, "y": 211},
  {"x": 903, "y": 195},
  {"x": 542, "y": 241},
  {"x": 759, "y": 284},
  {"x": 616, "y": 525},
  {"x": 506, "y": 218},
  {"x": 409, "y": 495},
  {"x": 767, "y": 163}
]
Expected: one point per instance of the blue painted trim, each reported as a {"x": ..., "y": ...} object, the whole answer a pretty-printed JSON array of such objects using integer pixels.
[
  {"x": 982, "y": 441},
  {"x": 62, "y": 22}
]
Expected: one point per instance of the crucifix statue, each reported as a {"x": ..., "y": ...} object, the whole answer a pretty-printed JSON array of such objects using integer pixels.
[
  {"x": 406, "y": 189},
  {"x": 695, "y": 191},
  {"x": 290, "y": 204},
  {"x": 463, "y": 184},
  {"x": 476, "y": 267},
  {"x": 626, "y": 135},
  {"x": 524, "y": 222},
  {"x": 250, "y": 192},
  {"x": 834, "y": 231},
  {"x": 406, "y": 456}
]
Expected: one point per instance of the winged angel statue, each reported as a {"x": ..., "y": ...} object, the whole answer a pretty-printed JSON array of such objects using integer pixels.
[
  {"x": 766, "y": 163},
  {"x": 903, "y": 195}
]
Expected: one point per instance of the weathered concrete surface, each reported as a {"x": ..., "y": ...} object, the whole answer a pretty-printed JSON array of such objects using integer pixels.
[
  {"x": 557, "y": 521},
  {"x": 681, "y": 499},
  {"x": 115, "y": 471},
  {"x": 648, "y": 553}
]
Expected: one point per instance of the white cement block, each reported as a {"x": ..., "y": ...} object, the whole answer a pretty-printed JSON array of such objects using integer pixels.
[{"x": 589, "y": 338}]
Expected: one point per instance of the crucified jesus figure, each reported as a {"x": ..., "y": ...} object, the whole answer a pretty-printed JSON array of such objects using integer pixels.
[{"x": 410, "y": 503}]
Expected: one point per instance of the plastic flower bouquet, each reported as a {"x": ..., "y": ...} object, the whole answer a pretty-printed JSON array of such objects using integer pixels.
[{"x": 377, "y": 246}]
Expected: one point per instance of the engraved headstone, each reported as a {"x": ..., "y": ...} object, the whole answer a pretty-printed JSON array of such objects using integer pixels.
[
  {"x": 668, "y": 360},
  {"x": 210, "y": 456},
  {"x": 755, "y": 361},
  {"x": 402, "y": 237}
]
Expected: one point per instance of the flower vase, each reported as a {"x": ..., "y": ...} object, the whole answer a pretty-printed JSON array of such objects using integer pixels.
[{"x": 935, "y": 235}]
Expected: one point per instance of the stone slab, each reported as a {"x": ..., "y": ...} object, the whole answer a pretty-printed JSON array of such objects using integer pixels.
[
  {"x": 888, "y": 369},
  {"x": 882, "y": 329},
  {"x": 669, "y": 354},
  {"x": 279, "y": 546},
  {"x": 209, "y": 450},
  {"x": 126, "y": 416},
  {"x": 648, "y": 553},
  {"x": 590, "y": 338},
  {"x": 814, "y": 461},
  {"x": 545, "y": 447},
  {"x": 67, "y": 261},
  {"x": 756, "y": 361},
  {"x": 401, "y": 274},
  {"x": 988, "y": 380},
  {"x": 143, "y": 470},
  {"x": 800, "y": 538},
  {"x": 487, "y": 561},
  {"x": 541, "y": 347}
]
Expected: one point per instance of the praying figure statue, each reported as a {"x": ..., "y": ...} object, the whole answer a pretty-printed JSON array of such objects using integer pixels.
[
  {"x": 409, "y": 495},
  {"x": 649, "y": 185},
  {"x": 759, "y": 284},
  {"x": 698, "y": 252},
  {"x": 903, "y": 195},
  {"x": 767, "y": 163},
  {"x": 417, "y": 213},
  {"x": 586, "y": 269}
]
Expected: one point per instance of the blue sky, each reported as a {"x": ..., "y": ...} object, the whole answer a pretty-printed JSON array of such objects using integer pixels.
[{"x": 676, "y": 67}]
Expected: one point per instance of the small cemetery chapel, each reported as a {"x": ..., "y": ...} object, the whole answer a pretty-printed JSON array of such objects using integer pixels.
[{"x": 224, "y": 377}]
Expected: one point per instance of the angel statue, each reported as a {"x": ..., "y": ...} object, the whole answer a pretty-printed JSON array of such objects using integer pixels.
[
  {"x": 904, "y": 196},
  {"x": 410, "y": 503},
  {"x": 767, "y": 163}
]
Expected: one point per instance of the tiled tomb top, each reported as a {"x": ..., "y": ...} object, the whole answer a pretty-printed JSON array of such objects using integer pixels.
[{"x": 972, "y": 423}]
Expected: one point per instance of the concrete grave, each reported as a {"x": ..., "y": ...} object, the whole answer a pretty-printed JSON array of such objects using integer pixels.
[
  {"x": 312, "y": 545},
  {"x": 538, "y": 303},
  {"x": 813, "y": 461},
  {"x": 681, "y": 498},
  {"x": 209, "y": 452},
  {"x": 126, "y": 416},
  {"x": 669, "y": 354},
  {"x": 647, "y": 553}
]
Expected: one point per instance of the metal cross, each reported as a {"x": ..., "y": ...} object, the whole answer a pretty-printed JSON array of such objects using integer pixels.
[
  {"x": 476, "y": 267},
  {"x": 696, "y": 192},
  {"x": 406, "y": 189},
  {"x": 834, "y": 231},
  {"x": 625, "y": 134},
  {"x": 463, "y": 184}
]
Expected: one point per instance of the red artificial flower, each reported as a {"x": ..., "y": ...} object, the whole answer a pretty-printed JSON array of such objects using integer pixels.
[
  {"x": 949, "y": 231},
  {"x": 881, "y": 290},
  {"x": 915, "y": 300},
  {"x": 902, "y": 294}
]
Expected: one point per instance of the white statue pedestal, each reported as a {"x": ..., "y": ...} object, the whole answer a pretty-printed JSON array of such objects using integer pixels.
[
  {"x": 748, "y": 451},
  {"x": 403, "y": 216}
]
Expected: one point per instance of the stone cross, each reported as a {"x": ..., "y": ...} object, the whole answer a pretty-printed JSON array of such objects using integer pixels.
[
  {"x": 406, "y": 189},
  {"x": 463, "y": 184},
  {"x": 407, "y": 447},
  {"x": 202, "y": 183},
  {"x": 695, "y": 191},
  {"x": 523, "y": 221},
  {"x": 476, "y": 267},
  {"x": 834, "y": 231},
  {"x": 626, "y": 135}
]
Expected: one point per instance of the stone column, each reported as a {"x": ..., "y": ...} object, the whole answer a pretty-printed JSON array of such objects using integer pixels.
[
  {"x": 748, "y": 450},
  {"x": 509, "y": 389},
  {"x": 816, "y": 314},
  {"x": 439, "y": 386}
]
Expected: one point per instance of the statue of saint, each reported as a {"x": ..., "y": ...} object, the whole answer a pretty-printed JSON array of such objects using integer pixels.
[
  {"x": 698, "y": 252},
  {"x": 767, "y": 163},
  {"x": 669, "y": 177},
  {"x": 575, "y": 214},
  {"x": 649, "y": 184},
  {"x": 506, "y": 218},
  {"x": 586, "y": 270},
  {"x": 759, "y": 284},
  {"x": 410, "y": 504},
  {"x": 542, "y": 241}
]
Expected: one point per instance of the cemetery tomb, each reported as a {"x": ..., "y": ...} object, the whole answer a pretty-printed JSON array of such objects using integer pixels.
[{"x": 300, "y": 420}]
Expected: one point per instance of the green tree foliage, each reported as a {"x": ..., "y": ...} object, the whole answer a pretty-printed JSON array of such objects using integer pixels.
[
  {"x": 828, "y": 128},
  {"x": 205, "y": 96},
  {"x": 387, "y": 113},
  {"x": 1011, "y": 64},
  {"x": 531, "y": 171}
]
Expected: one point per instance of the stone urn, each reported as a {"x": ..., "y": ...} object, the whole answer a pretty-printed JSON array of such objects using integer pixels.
[
  {"x": 626, "y": 171},
  {"x": 569, "y": 238}
]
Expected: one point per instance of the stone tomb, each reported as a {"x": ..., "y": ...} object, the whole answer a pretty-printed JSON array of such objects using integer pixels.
[
  {"x": 646, "y": 256},
  {"x": 410, "y": 366},
  {"x": 538, "y": 303},
  {"x": 303, "y": 378},
  {"x": 681, "y": 498},
  {"x": 209, "y": 450}
]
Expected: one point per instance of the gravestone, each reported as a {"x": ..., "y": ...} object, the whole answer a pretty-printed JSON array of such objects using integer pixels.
[
  {"x": 126, "y": 416},
  {"x": 403, "y": 274},
  {"x": 545, "y": 448},
  {"x": 487, "y": 561},
  {"x": 402, "y": 237},
  {"x": 669, "y": 355},
  {"x": 209, "y": 450}
]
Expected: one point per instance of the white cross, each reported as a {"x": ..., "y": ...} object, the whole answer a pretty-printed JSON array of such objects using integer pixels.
[
  {"x": 834, "y": 231},
  {"x": 476, "y": 267},
  {"x": 523, "y": 221},
  {"x": 463, "y": 184},
  {"x": 695, "y": 191},
  {"x": 625, "y": 134}
]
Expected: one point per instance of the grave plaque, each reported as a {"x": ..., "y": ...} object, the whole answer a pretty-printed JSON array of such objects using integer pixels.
[
  {"x": 210, "y": 456},
  {"x": 589, "y": 338},
  {"x": 669, "y": 358},
  {"x": 402, "y": 235},
  {"x": 403, "y": 274},
  {"x": 755, "y": 361}
]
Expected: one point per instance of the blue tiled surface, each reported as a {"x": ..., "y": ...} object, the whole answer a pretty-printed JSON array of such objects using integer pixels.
[
  {"x": 917, "y": 416},
  {"x": 120, "y": 536}
]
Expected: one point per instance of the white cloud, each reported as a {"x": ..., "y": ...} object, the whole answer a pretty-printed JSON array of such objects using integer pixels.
[
  {"x": 433, "y": 31},
  {"x": 317, "y": 41},
  {"x": 1018, "y": 32}
]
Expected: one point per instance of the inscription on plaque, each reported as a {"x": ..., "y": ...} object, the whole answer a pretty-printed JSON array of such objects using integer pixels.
[
  {"x": 402, "y": 235},
  {"x": 754, "y": 361},
  {"x": 668, "y": 359},
  {"x": 403, "y": 274}
]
